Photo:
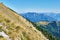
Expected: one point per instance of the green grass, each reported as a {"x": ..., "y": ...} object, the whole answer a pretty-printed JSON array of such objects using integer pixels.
[{"x": 45, "y": 32}]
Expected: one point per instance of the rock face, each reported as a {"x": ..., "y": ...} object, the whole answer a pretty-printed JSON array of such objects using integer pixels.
[{"x": 17, "y": 27}]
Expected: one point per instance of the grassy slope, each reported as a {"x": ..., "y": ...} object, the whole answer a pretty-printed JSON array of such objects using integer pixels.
[
  {"x": 17, "y": 27},
  {"x": 45, "y": 32}
]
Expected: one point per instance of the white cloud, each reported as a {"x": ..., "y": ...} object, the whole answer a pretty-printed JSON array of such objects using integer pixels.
[{"x": 39, "y": 11}]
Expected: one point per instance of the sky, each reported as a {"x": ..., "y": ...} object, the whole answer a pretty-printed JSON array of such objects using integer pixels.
[{"x": 22, "y": 6}]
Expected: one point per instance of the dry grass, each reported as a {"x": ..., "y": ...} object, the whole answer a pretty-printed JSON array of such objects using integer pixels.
[{"x": 17, "y": 27}]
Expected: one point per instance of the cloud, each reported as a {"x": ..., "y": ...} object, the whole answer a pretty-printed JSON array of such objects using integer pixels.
[{"x": 39, "y": 11}]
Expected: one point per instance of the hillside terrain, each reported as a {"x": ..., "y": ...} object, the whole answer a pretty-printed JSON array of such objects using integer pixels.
[
  {"x": 55, "y": 15},
  {"x": 15, "y": 27},
  {"x": 37, "y": 17},
  {"x": 46, "y": 23},
  {"x": 50, "y": 29}
]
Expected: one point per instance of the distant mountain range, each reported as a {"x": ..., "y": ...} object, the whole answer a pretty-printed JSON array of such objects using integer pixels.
[
  {"x": 48, "y": 23},
  {"x": 36, "y": 17},
  {"x": 52, "y": 28},
  {"x": 55, "y": 15}
]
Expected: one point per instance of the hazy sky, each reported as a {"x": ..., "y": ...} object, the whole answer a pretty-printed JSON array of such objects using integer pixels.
[{"x": 21, "y": 6}]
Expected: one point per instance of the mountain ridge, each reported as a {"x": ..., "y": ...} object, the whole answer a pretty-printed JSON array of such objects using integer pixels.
[{"x": 36, "y": 17}]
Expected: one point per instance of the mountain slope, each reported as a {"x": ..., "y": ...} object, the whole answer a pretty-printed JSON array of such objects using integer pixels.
[
  {"x": 15, "y": 27},
  {"x": 55, "y": 15},
  {"x": 37, "y": 17},
  {"x": 52, "y": 28}
]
